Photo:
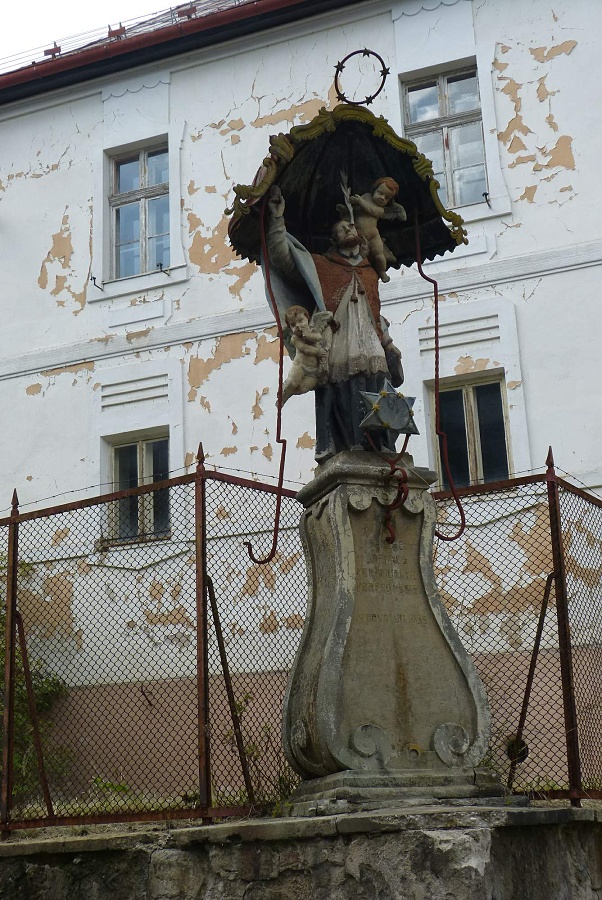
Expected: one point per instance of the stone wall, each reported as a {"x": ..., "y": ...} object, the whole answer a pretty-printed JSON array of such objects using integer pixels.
[{"x": 428, "y": 853}]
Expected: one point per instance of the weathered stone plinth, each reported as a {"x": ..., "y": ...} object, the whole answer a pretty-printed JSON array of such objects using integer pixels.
[
  {"x": 383, "y": 702},
  {"x": 427, "y": 853}
]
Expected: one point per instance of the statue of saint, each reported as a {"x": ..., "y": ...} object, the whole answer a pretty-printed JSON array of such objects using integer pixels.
[{"x": 361, "y": 354}]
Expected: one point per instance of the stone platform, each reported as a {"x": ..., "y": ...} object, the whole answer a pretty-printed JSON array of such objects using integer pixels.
[{"x": 432, "y": 852}]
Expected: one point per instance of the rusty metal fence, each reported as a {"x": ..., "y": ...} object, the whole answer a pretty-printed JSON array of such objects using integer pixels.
[
  {"x": 523, "y": 587},
  {"x": 146, "y": 654}
]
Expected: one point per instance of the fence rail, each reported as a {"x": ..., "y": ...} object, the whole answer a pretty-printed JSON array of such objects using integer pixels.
[{"x": 146, "y": 655}]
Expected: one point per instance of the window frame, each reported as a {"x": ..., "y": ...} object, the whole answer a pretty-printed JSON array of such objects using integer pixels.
[
  {"x": 141, "y": 195},
  {"x": 443, "y": 123},
  {"x": 145, "y": 501},
  {"x": 471, "y": 419}
]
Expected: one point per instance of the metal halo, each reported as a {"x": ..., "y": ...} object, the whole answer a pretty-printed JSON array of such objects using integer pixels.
[{"x": 341, "y": 65}]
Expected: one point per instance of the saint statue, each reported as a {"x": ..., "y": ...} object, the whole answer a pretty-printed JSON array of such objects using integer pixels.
[{"x": 357, "y": 352}]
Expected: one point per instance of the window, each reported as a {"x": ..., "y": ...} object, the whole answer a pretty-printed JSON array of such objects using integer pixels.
[
  {"x": 472, "y": 416},
  {"x": 144, "y": 516},
  {"x": 443, "y": 118},
  {"x": 140, "y": 212}
]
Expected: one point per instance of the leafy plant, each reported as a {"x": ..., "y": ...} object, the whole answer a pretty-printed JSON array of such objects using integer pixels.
[{"x": 47, "y": 689}]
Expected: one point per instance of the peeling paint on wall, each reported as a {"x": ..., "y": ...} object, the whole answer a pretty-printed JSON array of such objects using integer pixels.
[
  {"x": 74, "y": 367},
  {"x": 49, "y": 614},
  {"x": 243, "y": 272},
  {"x": 560, "y": 156},
  {"x": 176, "y": 616},
  {"x": 255, "y": 576},
  {"x": 295, "y": 621},
  {"x": 137, "y": 335},
  {"x": 467, "y": 364},
  {"x": 228, "y": 451},
  {"x": 267, "y": 349},
  {"x": 227, "y": 348},
  {"x": 61, "y": 251},
  {"x": 270, "y": 623},
  {"x": 542, "y": 54},
  {"x": 211, "y": 253},
  {"x": 256, "y": 408},
  {"x": 535, "y": 153},
  {"x": 33, "y": 389},
  {"x": 302, "y": 112},
  {"x": 306, "y": 442},
  {"x": 59, "y": 535}
]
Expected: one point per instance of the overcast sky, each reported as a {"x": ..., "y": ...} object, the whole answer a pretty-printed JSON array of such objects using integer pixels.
[{"x": 38, "y": 23}]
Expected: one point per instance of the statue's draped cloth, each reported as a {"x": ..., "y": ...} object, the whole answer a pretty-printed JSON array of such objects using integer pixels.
[{"x": 348, "y": 289}]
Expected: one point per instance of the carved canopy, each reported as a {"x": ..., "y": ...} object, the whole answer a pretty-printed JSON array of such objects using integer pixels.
[{"x": 307, "y": 165}]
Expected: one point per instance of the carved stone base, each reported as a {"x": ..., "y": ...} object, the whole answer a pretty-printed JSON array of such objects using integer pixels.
[
  {"x": 381, "y": 686},
  {"x": 352, "y": 791}
]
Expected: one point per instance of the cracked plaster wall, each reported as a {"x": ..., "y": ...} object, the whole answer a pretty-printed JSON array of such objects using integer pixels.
[{"x": 537, "y": 59}]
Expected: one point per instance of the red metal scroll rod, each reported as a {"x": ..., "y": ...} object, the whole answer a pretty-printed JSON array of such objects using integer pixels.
[
  {"x": 440, "y": 434},
  {"x": 279, "y": 438}
]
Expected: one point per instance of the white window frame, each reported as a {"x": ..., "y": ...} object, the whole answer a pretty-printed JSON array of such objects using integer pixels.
[
  {"x": 444, "y": 123},
  {"x": 146, "y": 526},
  {"x": 141, "y": 195},
  {"x": 475, "y": 461}
]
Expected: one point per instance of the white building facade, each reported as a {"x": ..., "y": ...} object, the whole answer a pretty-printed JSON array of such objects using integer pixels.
[{"x": 131, "y": 330}]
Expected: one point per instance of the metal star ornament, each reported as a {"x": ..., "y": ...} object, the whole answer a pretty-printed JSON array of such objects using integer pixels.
[{"x": 389, "y": 409}]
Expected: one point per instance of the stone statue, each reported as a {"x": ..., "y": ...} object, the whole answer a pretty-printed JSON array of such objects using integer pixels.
[
  {"x": 369, "y": 208},
  {"x": 311, "y": 342},
  {"x": 362, "y": 354}
]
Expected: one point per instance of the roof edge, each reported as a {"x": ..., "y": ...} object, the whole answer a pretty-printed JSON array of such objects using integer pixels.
[{"x": 108, "y": 58}]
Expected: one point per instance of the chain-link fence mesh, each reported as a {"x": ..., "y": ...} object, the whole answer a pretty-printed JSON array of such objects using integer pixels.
[
  {"x": 107, "y": 597},
  {"x": 581, "y": 518},
  {"x": 107, "y": 592},
  {"x": 261, "y": 611},
  {"x": 492, "y": 581}
]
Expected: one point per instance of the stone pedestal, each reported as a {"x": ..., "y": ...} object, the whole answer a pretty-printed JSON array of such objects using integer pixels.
[{"x": 383, "y": 703}]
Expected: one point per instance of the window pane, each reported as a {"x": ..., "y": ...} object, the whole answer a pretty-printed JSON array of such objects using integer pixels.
[
  {"x": 469, "y": 185},
  {"x": 160, "y": 463},
  {"x": 126, "y": 476},
  {"x": 128, "y": 260},
  {"x": 128, "y": 175},
  {"x": 466, "y": 145},
  {"x": 453, "y": 423},
  {"x": 467, "y": 153},
  {"x": 126, "y": 467},
  {"x": 462, "y": 93},
  {"x": 423, "y": 102},
  {"x": 158, "y": 252},
  {"x": 128, "y": 223},
  {"x": 492, "y": 432},
  {"x": 160, "y": 459},
  {"x": 431, "y": 145},
  {"x": 158, "y": 215},
  {"x": 158, "y": 169}
]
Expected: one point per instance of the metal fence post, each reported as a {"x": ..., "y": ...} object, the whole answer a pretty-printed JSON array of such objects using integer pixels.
[
  {"x": 8, "y": 721},
  {"x": 202, "y": 655},
  {"x": 564, "y": 637}
]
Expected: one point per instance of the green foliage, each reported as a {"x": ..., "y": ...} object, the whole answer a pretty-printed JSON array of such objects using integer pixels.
[
  {"x": 47, "y": 689},
  {"x": 273, "y": 779},
  {"x": 110, "y": 787}
]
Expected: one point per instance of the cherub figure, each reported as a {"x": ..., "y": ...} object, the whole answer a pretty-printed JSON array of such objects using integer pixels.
[
  {"x": 311, "y": 341},
  {"x": 369, "y": 208}
]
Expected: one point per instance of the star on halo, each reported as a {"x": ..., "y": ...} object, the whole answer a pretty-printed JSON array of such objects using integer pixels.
[{"x": 388, "y": 409}]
